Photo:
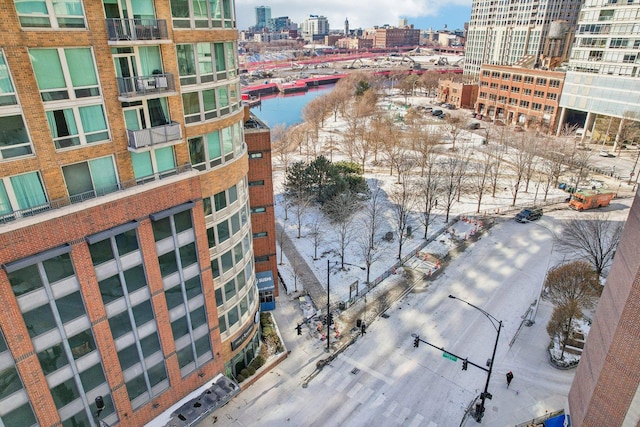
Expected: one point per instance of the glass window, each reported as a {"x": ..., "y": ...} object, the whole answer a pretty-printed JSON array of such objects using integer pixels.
[
  {"x": 39, "y": 320},
  {"x": 136, "y": 387},
  {"x": 161, "y": 229},
  {"x": 215, "y": 268},
  {"x": 150, "y": 344},
  {"x": 168, "y": 263},
  {"x": 198, "y": 317},
  {"x": 211, "y": 237},
  {"x": 157, "y": 374},
  {"x": 220, "y": 200},
  {"x": 82, "y": 344},
  {"x": 15, "y": 139},
  {"x": 135, "y": 278},
  {"x": 65, "y": 393},
  {"x": 179, "y": 327},
  {"x": 203, "y": 345},
  {"x": 10, "y": 381},
  {"x": 222, "y": 324},
  {"x": 143, "y": 313},
  {"x": 52, "y": 359},
  {"x": 58, "y": 268},
  {"x": 237, "y": 252},
  {"x": 192, "y": 287},
  {"x": 243, "y": 306},
  {"x": 235, "y": 223},
  {"x": 101, "y": 252},
  {"x": 89, "y": 179},
  {"x": 110, "y": 289},
  {"x": 182, "y": 221},
  {"x": 65, "y": 73},
  {"x": 21, "y": 416},
  {"x": 120, "y": 324},
  {"x": 227, "y": 261},
  {"x": 185, "y": 356},
  {"x": 229, "y": 290},
  {"x": 232, "y": 315},
  {"x": 70, "y": 307},
  {"x": 92, "y": 377},
  {"x": 219, "y": 300},
  {"x": 127, "y": 242},
  {"x": 241, "y": 280},
  {"x": 7, "y": 91},
  {"x": 223, "y": 231},
  {"x": 196, "y": 152},
  {"x": 188, "y": 255},
  {"x": 59, "y": 14},
  {"x": 206, "y": 204},
  {"x": 128, "y": 357},
  {"x": 233, "y": 194},
  {"x": 25, "y": 280},
  {"x": 173, "y": 297}
]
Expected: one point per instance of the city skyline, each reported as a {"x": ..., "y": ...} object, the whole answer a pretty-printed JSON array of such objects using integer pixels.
[{"x": 363, "y": 15}]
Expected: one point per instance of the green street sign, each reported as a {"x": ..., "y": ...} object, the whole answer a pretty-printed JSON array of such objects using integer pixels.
[{"x": 449, "y": 356}]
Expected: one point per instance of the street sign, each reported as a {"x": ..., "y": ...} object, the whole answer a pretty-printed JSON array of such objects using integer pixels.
[{"x": 449, "y": 356}]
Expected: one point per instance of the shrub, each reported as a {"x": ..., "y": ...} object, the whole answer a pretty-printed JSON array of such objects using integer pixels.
[
  {"x": 251, "y": 370},
  {"x": 240, "y": 378},
  {"x": 245, "y": 373}
]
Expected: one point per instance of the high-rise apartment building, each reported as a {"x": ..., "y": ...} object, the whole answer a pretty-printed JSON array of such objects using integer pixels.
[
  {"x": 126, "y": 248},
  {"x": 603, "y": 74},
  {"x": 606, "y": 387},
  {"x": 505, "y": 32},
  {"x": 263, "y": 15},
  {"x": 314, "y": 28}
]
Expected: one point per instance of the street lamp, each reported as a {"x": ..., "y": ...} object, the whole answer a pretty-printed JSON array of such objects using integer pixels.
[
  {"x": 328, "y": 297},
  {"x": 493, "y": 320}
]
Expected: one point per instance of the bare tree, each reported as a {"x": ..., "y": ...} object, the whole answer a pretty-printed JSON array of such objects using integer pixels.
[
  {"x": 316, "y": 234},
  {"x": 454, "y": 126},
  {"x": 371, "y": 222},
  {"x": 427, "y": 191},
  {"x": 480, "y": 175},
  {"x": 281, "y": 237},
  {"x": 341, "y": 210},
  {"x": 300, "y": 205},
  {"x": 519, "y": 161},
  {"x": 559, "y": 325},
  {"x": 497, "y": 153},
  {"x": 573, "y": 287},
  {"x": 404, "y": 199},
  {"x": 449, "y": 171},
  {"x": 594, "y": 240}
]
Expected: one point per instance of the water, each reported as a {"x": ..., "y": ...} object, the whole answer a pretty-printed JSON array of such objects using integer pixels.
[{"x": 287, "y": 110}]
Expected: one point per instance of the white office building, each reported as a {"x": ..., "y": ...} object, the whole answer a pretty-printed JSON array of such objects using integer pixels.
[
  {"x": 508, "y": 32},
  {"x": 315, "y": 27},
  {"x": 603, "y": 73}
]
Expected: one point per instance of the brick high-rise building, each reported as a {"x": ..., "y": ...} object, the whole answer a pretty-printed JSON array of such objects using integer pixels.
[
  {"x": 606, "y": 387},
  {"x": 126, "y": 246}
]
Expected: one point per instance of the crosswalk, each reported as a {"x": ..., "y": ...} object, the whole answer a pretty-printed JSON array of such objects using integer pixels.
[{"x": 393, "y": 411}]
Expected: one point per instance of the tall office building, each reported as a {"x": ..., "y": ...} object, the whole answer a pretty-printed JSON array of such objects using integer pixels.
[
  {"x": 263, "y": 15},
  {"x": 126, "y": 250},
  {"x": 606, "y": 387},
  {"x": 603, "y": 77},
  {"x": 506, "y": 32},
  {"x": 314, "y": 28}
]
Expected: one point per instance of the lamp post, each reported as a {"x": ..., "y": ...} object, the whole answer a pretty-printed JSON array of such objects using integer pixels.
[
  {"x": 328, "y": 298},
  {"x": 493, "y": 320}
]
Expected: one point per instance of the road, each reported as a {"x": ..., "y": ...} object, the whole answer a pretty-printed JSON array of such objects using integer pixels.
[{"x": 383, "y": 379}]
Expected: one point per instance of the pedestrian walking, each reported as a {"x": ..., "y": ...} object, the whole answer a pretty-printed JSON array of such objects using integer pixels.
[{"x": 509, "y": 378}]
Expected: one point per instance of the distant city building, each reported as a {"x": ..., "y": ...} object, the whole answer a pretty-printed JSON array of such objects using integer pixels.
[
  {"x": 354, "y": 43},
  {"x": 331, "y": 40},
  {"x": 502, "y": 33},
  {"x": 314, "y": 28},
  {"x": 402, "y": 22},
  {"x": 396, "y": 37},
  {"x": 520, "y": 96},
  {"x": 269, "y": 37},
  {"x": 263, "y": 15},
  {"x": 346, "y": 26},
  {"x": 280, "y": 23},
  {"x": 603, "y": 73}
]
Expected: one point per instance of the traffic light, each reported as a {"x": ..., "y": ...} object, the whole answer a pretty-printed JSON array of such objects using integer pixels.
[
  {"x": 464, "y": 364},
  {"x": 416, "y": 341},
  {"x": 299, "y": 329}
]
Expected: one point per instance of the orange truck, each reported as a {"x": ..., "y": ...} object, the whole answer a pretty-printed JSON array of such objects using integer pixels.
[{"x": 589, "y": 199}]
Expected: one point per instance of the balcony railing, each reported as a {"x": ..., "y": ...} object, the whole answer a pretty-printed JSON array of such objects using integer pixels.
[
  {"x": 78, "y": 198},
  {"x": 136, "y": 29},
  {"x": 154, "y": 136},
  {"x": 130, "y": 87}
]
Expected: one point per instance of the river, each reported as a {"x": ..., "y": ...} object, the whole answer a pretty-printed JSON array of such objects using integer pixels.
[{"x": 287, "y": 110}]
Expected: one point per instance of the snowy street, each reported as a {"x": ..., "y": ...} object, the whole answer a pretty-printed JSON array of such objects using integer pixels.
[{"x": 383, "y": 378}]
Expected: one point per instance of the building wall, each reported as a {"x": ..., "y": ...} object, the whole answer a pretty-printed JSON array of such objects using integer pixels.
[
  {"x": 606, "y": 387},
  {"x": 152, "y": 265},
  {"x": 462, "y": 95},
  {"x": 510, "y": 94}
]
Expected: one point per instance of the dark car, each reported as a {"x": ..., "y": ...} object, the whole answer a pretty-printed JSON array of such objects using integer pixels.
[
  {"x": 437, "y": 113},
  {"x": 473, "y": 126},
  {"x": 529, "y": 214}
]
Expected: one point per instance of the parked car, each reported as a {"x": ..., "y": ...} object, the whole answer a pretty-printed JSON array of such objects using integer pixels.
[
  {"x": 473, "y": 126},
  {"x": 442, "y": 116},
  {"x": 437, "y": 112},
  {"x": 529, "y": 214},
  {"x": 605, "y": 153},
  {"x": 428, "y": 109}
]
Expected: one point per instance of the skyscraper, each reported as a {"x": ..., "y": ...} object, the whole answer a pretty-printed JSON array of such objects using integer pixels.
[
  {"x": 505, "y": 32},
  {"x": 603, "y": 75},
  {"x": 263, "y": 15},
  {"x": 314, "y": 27},
  {"x": 126, "y": 246}
]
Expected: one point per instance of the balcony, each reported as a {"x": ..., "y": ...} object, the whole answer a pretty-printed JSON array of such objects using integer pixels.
[
  {"x": 134, "y": 30},
  {"x": 141, "y": 86},
  {"x": 154, "y": 136}
]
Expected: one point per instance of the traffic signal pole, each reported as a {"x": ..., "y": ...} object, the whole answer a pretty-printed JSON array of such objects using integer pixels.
[{"x": 417, "y": 340}]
